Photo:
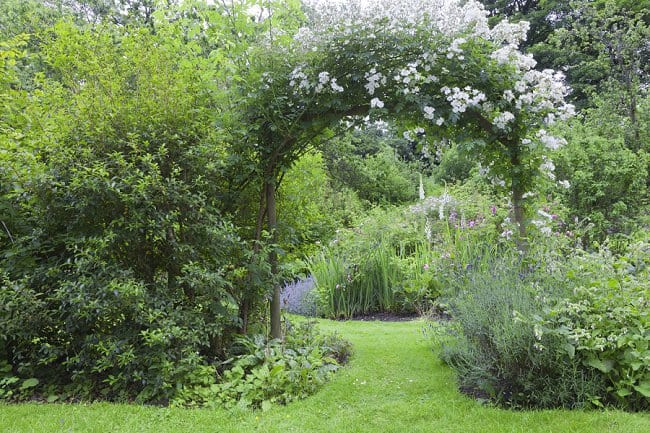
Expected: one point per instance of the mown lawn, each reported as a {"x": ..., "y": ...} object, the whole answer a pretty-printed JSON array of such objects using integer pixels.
[{"x": 393, "y": 384}]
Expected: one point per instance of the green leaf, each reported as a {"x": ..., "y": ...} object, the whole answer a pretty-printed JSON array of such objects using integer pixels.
[
  {"x": 643, "y": 388},
  {"x": 29, "y": 383},
  {"x": 603, "y": 365},
  {"x": 570, "y": 350},
  {"x": 623, "y": 392},
  {"x": 636, "y": 365},
  {"x": 266, "y": 405},
  {"x": 277, "y": 369}
]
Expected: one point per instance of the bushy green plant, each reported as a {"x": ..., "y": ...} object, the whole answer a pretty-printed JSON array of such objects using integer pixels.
[
  {"x": 605, "y": 326},
  {"x": 364, "y": 284},
  {"x": 272, "y": 371},
  {"x": 122, "y": 274},
  {"x": 494, "y": 350},
  {"x": 365, "y": 161},
  {"x": 312, "y": 210},
  {"x": 420, "y": 281},
  {"x": 553, "y": 327},
  {"x": 607, "y": 182},
  {"x": 454, "y": 166},
  {"x": 98, "y": 335}
]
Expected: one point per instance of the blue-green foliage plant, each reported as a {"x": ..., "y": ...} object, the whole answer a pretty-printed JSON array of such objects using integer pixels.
[
  {"x": 493, "y": 350},
  {"x": 553, "y": 329}
]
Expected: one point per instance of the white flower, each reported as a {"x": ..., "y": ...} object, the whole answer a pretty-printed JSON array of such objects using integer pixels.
[
  {"x": 428, "y": 112},
  {"x": 520, "y": 86},
  {"x": 502, "y": 119},
  {"x": 376, "y": 103},
  {"x": 375, "y": 79},
  {"x": 335, "y": 86},
  {"x": 549, "y": 141},
  {"x": 323, "y": 77},
  {"x": 547, "y": 167},
  {"x": 564, "y": 184}
]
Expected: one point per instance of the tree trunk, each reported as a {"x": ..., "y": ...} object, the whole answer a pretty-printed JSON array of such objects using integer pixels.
[
  {"x": 245, "y": 304},
  {"x": 276, "y": 322},
  {"x": 519, "y": 214}
]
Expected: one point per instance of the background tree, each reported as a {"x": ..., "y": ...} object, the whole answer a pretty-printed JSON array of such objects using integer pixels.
[{"x": 367, "y": 161}]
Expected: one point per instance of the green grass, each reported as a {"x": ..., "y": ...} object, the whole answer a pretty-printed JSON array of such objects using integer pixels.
[{"x": 394, "y": 383}]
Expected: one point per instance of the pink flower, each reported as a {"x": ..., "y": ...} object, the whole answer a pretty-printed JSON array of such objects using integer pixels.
[
  {"x": 425, "y": 267},
  {"x": 493, "y": 208}
]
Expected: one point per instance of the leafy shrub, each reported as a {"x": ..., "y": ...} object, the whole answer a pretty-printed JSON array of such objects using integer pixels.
[
  {"x": 123, "y": 277},
  {"x": 102, "y": 336},
  {"x": 312, "y": 210},
  {"x": 364, "y": 161},
  {"x": 605, "y": 327},
  {"x": 608, "y": 182},
  {"x": 547, "y": 330},
  {"x": 494, "y": 349},
  {"x": 454, "y": 166},
  {"x": 274, "y": 371}
]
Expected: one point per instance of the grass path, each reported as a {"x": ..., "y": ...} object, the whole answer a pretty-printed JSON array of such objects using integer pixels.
[{"x": 393, "y": 384}]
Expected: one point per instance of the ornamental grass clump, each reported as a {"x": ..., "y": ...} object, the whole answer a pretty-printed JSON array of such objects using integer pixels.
[{"x": 350, "y": 286}]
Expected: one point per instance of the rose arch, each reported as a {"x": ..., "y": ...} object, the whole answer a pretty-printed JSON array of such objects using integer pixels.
[{"x": 433, "y": 66}]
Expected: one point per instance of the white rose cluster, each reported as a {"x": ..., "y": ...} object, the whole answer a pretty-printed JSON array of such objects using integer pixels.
[
  {"x": 461, "y": 99},
  {"x": 416, "y": 53},
  {"x": 374, "y": 80}
]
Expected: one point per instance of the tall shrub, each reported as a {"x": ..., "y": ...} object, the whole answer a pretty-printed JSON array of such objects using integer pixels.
[{"x": 122, "y": 249}]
